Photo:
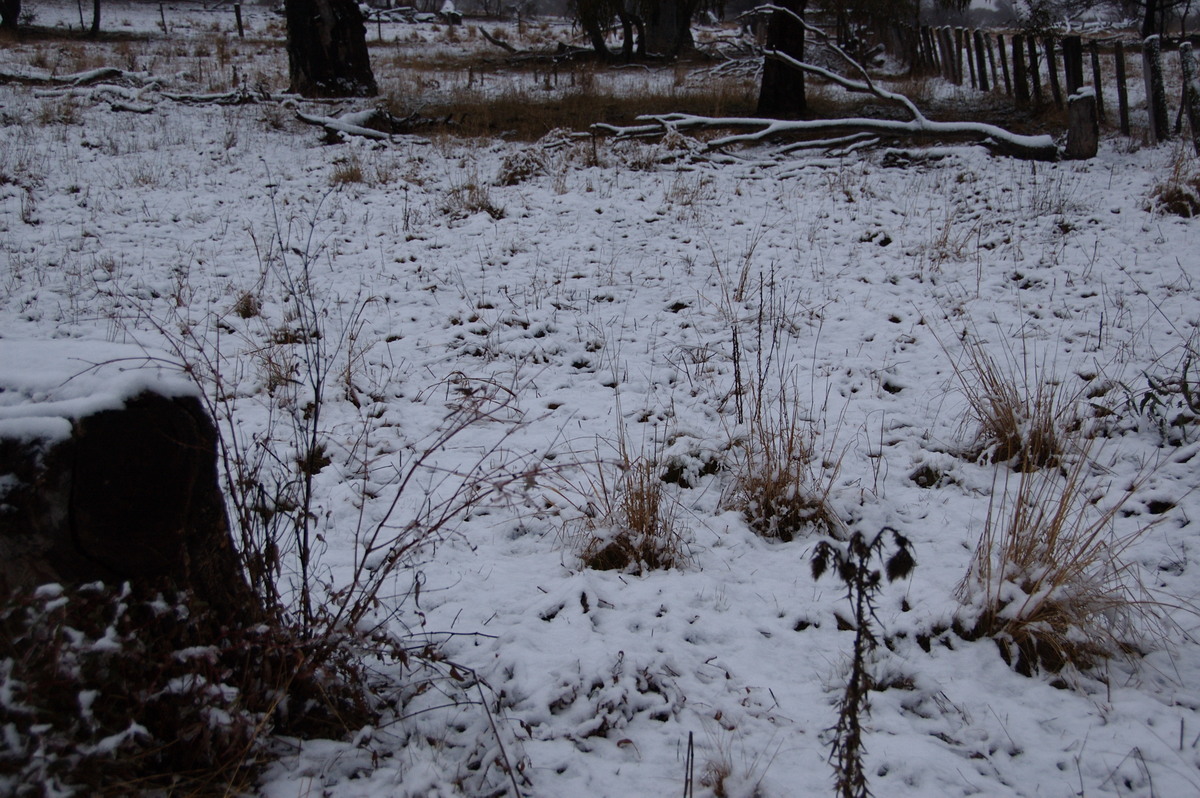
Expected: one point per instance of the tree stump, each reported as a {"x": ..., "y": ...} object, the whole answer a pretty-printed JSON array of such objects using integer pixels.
[
  {"x": 121, "y": 495},
  {"x": 1083, "y": 125}
]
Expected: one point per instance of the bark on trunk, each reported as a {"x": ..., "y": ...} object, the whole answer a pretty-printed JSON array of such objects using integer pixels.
[
  {"x": 593, "y": 26},
  {"x": 10, "y": 11},
  {"x": 1150, "y": 20},
  {"x": 327, "y": 49},
  {"x": 781, "y": 95},
  {"x": 669, "y": 26}
]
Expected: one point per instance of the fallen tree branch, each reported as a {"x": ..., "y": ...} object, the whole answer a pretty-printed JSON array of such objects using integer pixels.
[
  {"x": 239, "y": 96},
  {"x": 87, "y": 78},
  {"x": 358, "y": 123},
  {"x": 1041, "y": 148},
  {"x": 373, "y": 123},
  {"x": 503, "y": 45},
  {"x": 119, "y": 98}
]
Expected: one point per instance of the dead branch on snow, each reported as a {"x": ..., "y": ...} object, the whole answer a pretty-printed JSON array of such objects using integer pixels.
[{"x": 1041, "y": 148}]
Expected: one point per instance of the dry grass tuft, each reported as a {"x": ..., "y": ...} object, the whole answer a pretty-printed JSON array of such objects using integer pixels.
[
  {"x": 1048, "y": 581},
  {"x": 1018, "y": 423},
  {"x": 347, "y": 171},
  {"x": 471, "y": 196},
  {"x": 630, "y": 526},
  {"x": 1180, "y": 192},
  {"x": 775, "y": 483}
]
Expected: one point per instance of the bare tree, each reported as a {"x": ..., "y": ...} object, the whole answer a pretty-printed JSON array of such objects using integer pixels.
[
  {"x": 327, "y": 49},
  {"x": 664, "y": 27},
  {"x": 781, "y": 94}
]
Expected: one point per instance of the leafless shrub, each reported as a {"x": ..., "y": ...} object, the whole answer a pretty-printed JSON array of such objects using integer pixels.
[
  {"x": 1171, "y": 396},
  {"x": 115, "y": 691}
]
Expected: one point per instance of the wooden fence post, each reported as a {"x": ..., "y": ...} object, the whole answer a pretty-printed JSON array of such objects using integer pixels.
[
  {"x": 1191, "y": 91},
  {"x": 948, "y": 56},
  {"x": 969, "y": 47},
  {"x": 1156, "y": 90},
  {"x": 1020, "y": 84},
  {"x": 1097, "y": 81},
  {"x": 958, "y": 55},
  {"x": 1083, "y": 129},
  {"x": 1008, "y": 89},
  {"x": 1052, "y": 71},
  {"x": 1035, "y": 79},
  {"x": 1122, "y": 90},
  {"x": 980, "y": 62},
  {"x": 1073, "y": 63},
  {"x": 991, "y": 57}
]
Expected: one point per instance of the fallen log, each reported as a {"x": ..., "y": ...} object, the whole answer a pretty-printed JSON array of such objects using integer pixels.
[{"x": 1041, "y": 148}]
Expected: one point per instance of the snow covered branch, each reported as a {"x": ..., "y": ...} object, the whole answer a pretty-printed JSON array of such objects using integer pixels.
[{"x": 1040, "y": 148}]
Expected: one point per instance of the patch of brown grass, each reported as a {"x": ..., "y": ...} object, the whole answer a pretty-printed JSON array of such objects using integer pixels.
[
  {"x": 1179, "y": 194},
  {"x": 1048, "y": 581},
  {"x": 777, "y": 484},
  {"x": 1018, "y": 422},
  {"x": 630, "y": 525},
  {"x": 530, "y": 115},
  {"x": 348, "y": 170}
]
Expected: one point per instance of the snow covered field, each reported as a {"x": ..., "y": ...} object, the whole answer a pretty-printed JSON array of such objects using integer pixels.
[{"x": 610, "y": 304}]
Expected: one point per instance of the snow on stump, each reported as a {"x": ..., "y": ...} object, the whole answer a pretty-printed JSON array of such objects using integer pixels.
[
  {"x": 118, "y": 485},
  {"x": 1083, "y": 125}
]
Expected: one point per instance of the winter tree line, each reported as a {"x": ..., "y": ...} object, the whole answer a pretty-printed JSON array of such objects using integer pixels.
[{"x": 328, "y": 57}]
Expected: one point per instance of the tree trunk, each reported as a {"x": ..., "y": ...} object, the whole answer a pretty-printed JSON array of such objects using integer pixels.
[
  {"x": 626, "y": 20},
  {"x": 95, "y": 31},
  {"x": 781, "y": 95},
  {"x": 10, "y": 11},
  {"x": 1150, "y": 20},
  {"x": 593, "y": 26},
  {"x": 669, "y": 26},
  {"x": 327, "y": 49},
  {"x": 1156, "y": 91},
  {"x": 1191, "y": 91}
]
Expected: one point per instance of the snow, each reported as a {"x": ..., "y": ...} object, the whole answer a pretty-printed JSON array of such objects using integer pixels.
[{"x": 601, "y": 305}]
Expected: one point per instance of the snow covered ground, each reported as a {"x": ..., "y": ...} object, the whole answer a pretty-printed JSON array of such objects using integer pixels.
[{"x": 597, "y": 303}]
